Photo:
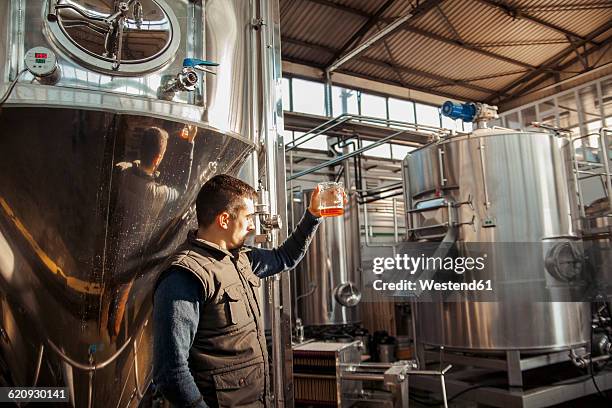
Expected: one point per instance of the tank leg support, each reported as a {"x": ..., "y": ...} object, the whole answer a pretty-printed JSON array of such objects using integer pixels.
[{"x": 515, "y": 373}]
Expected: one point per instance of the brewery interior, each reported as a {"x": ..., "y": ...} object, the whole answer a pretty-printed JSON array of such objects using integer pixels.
[{"x": 451, "y": 124}]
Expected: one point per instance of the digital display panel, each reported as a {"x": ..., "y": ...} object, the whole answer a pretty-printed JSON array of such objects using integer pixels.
[
  {"x": 40, "y": 55},
  {"x": 40, "y": 60}
]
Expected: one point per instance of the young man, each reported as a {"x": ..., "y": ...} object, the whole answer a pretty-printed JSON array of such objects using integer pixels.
[{"x": 209, "y": 344}]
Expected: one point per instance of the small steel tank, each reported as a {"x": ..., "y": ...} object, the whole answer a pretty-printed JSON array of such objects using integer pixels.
[
  {"x": 499, "y": 188},
  {"x": 327, "y": 280}
]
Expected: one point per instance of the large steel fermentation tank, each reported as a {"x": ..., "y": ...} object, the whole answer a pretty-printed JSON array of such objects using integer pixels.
[
  {"x": 328, "y": 278},
  {"x": 507, "y": 189},
  {"x": 80, "y": 245}
]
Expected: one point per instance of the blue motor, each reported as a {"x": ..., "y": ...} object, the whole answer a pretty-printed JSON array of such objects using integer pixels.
[{"x": 465, "y": 111}]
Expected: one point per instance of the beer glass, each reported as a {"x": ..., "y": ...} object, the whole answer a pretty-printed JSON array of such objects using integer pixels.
[{"x": 331, "y": 199}]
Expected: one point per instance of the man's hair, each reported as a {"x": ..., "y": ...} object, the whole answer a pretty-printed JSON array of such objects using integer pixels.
[
  {"x": 221, "y": 193},
  {"x": 153, "y": 142}
]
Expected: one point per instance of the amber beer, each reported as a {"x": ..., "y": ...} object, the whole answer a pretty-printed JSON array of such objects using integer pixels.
[{"x": 331, "y": 199}]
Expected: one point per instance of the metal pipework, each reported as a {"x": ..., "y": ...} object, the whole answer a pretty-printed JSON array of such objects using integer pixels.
[
  {"x": 347, "y": 117},
  {"x": 346, "y": 156},
  {"x": 394, "y": 375}
]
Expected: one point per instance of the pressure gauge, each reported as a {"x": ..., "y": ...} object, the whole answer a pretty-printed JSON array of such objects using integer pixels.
[{"x": 42, "y": 63}]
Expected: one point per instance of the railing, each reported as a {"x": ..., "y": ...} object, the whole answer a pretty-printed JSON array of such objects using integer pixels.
[{"x": 599, "y": 166}]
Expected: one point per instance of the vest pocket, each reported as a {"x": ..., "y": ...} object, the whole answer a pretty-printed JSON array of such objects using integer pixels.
[
  {"x": 240, "y": 388},
  {"x": 236, "y": 305}
]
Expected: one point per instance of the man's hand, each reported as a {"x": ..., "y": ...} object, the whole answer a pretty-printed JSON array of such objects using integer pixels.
[
  {"x": 314, "y": 201},
  {"x": 189, "y": 133},
  {"x": 193, "y": 131}
]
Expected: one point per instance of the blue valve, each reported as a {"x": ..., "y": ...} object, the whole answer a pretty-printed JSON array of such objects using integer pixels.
[
  {"x": 465, "y": 111},
  {"x": 194, "y": 62}
]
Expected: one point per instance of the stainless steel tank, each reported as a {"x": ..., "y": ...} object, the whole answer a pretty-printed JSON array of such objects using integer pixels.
[
  {"x": 507, "y": 190},
  {"x": 327, "y": 280},
  {"x": 80, "y": 248}
]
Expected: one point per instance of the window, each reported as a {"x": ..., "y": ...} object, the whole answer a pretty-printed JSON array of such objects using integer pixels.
[
  {"x": 344, "y": 101},
  {"x": 372, "y": 105},
  {"x": 427, "y": 115},
  {"x": 495, "y": 122},
  {"x": 528, "y": 116},
  {"x": 512, "y": 121},
  {"x": 383, "y": 150},
  {"x": 591, "y": 118},
  {"x": 401, "y": 110},
  {"x": 451, "y": 124},
  {"x": 606, "y": 99},
  {"x": 285, "y": 88},
  {"x": 568, "y": 113},
  {"x": 547, "y": 112},
  {"x": 316, "y": 143},
  {"x": 399, "y": 152},
  {"x": 308, "y": 97}
]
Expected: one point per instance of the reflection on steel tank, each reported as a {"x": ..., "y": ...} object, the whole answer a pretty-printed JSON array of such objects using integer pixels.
[
  {"x": 497, "y": 187},
  {"x": 89, "y": 204},
  {"x": 327, "y": 280}
]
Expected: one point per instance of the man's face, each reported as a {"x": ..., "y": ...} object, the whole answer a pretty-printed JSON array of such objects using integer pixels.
[{"x": 242, "y": 225}]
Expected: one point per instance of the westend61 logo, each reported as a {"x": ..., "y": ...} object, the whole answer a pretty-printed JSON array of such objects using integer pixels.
[{"x": 411, "y": 264}]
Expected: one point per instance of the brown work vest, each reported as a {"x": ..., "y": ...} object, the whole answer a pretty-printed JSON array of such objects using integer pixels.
[{"x": 228, "y": 358}]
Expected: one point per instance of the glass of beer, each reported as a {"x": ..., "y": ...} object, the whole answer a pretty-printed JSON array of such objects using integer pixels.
[{"x": 331, "y": 199}]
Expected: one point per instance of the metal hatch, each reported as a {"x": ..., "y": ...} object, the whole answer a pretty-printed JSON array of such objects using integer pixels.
[{"x": 128, "y": 37}]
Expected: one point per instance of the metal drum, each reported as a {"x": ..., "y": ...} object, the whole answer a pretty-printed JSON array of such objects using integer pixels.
[
  {"x": 80, "y": 245},
  {"x": 505, "y": 188},
  {"x": 327, "y": 279}
]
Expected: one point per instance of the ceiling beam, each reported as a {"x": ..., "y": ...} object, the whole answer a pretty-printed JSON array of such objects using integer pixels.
[
  {"x": 499, "y": 44},
  {"x": 438, "y": 38},
  {"x": 550, "y": 64},
  {"x": 423, "y": 74},
  {"x": 341, "y": 7},
  {"x": 362, "y": 31},
  {"x": 517, "y": 13},
  {"x": 569, "y": 7},
  {"x": 397, "y": 24},
  {"x": 427, "y": 91},
  {"x": 450, "y": 25},
  {"x": 433, "y": 36},
  {"x": 397, "y": 68},
  {"x": 470, "y": 47},
  {"x": 583, "y": 61},
  {"x": 530, "y": 86},
  {"x": 394, "y": 63}
]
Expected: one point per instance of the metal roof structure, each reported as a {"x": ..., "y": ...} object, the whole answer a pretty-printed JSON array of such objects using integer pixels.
[{"x": 485, "y": 50}]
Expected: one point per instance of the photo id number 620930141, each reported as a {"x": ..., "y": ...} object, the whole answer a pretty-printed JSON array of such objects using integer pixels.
[{"x": 34, "y": 394}]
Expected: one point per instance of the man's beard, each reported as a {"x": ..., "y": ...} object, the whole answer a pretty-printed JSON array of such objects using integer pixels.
[{"x": 249, "y": 240}]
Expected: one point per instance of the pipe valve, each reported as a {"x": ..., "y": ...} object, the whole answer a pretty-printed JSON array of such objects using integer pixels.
[
  {"x": 186, "y": 80},
  {"x": 267, "y": 221}
]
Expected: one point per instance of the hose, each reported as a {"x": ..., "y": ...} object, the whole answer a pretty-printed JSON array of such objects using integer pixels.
[{"x": 11, "y": 86}]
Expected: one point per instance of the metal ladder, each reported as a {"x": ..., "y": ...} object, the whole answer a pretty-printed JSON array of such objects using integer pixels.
[{"x": 595, "y": 162}]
